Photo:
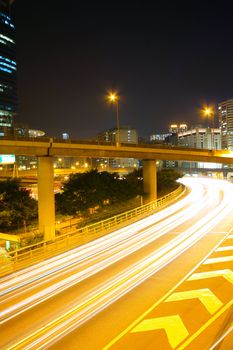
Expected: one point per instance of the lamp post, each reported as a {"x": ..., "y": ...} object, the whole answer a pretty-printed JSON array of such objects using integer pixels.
[
  {"x": 114, "y": 98},
  {"x": 209, "y": 113}
]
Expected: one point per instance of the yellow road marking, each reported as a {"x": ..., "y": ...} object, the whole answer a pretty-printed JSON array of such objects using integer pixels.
[
  {"x": 218, "y": 260},
  {"x": 144, "y": 314},
  {"x": 173, "y": 326},
  {"x": 208, "y": 299},
  {"x": 226, "y": 273},
  {"x": 230, "y": 236},
  {"x": 207, "y": 324}
]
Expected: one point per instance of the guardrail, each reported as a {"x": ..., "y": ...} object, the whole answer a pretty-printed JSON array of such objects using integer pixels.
[{"x": 34, "y": 253}]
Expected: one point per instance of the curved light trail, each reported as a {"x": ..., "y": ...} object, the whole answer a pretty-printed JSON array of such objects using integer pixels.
[{"x": 126, "y": 258}]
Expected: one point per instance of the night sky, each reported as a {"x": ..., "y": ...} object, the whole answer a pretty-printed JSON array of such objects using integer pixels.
[{"x": 165, "y": 60}]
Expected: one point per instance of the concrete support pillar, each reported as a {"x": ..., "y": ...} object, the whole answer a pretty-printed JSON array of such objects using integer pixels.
[
  {"x": 150, "y": 179},
  {"x": 46, "y": 204}
]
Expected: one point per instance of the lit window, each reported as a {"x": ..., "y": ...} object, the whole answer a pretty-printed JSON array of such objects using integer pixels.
[
  {"x": 7, "y": 38},
  {"x": 7, "y": 60},
  {"x": 5, "y": 70}
]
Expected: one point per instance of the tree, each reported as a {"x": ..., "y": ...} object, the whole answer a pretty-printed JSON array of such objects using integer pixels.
[
  {"x": 166, "y": 179},
  {"x": 92, "y": 189},
  {"x": 135, "y": 178},
  {"x": 17, "y": 207},
  {"x": 88, "y": 190}
]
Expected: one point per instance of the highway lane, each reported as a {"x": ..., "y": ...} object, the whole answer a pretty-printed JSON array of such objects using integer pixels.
[{"x": 50, "y": 299}]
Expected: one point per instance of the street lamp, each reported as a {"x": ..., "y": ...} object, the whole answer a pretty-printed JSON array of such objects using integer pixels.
[
  {"x": 208, "y": 111},
  {"x": 114, "y": 98}
]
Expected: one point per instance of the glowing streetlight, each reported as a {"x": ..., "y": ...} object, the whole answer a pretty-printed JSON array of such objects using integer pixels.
[
  {"x": 114, "y": 98},
  {"x": 208, "y": 111}
]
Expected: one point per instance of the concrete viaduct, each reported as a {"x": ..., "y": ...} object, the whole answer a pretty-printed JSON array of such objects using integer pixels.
[{"x": 45, "y": 149}]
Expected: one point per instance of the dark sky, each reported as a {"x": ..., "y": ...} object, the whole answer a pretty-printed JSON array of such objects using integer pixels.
[{"x": 165, "y": 60}]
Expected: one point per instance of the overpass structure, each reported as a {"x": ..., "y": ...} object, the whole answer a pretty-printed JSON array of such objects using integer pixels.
[{"x": 45, "y": 149}]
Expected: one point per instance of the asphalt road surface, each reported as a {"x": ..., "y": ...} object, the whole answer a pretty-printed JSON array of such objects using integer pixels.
[{"x": 164, "y": 282}]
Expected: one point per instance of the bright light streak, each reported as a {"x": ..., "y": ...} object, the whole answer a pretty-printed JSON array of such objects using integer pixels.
[{"x": 95, "y": 256}]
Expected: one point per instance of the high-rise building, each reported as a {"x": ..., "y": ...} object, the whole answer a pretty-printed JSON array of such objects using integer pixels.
[
  {"x": 8, "y": 69},
  {"x": 225, "y": 117}
]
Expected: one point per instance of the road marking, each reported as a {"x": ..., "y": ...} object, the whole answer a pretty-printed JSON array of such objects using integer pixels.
[
  {"x": 229, "y": 237},
  {"x": 218, "y": 260},
  {"x": 173, "y": 326},
  {"x": 223, "y": 249},
  {"x": 227, "y": 274},
  {"x": 206, "y": 325},
  {"x": 158, "y": 302},
  {"x": 208, "y": 298}
]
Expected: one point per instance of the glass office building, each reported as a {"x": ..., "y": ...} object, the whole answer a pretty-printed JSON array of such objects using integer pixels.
[{"x": 8, "y": 69}]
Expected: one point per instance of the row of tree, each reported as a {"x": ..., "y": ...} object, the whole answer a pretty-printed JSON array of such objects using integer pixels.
[
  {"x": 80, "y": 193},
  {"x": 96, "y": 190}
]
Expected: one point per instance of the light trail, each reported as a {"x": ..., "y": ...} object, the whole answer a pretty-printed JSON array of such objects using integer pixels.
[
  {"x": 101, "y": 245},
  {"x": 120, "y": 251},
  {"x": 86, "y": 251},
  {"x": 107, "y": 251}
]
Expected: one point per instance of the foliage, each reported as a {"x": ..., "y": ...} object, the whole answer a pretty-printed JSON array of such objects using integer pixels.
[
  {"x": 32, "y": 239},
  {"x": 91, "y": 189},
  {"x": 17, "y": 208},
  {"x": 135, "y": 179},
  {"x": 166, "y": 179}
]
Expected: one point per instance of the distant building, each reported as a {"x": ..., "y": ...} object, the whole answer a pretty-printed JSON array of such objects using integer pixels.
[
  {"x": 225, "y": 117},
  {"x": 158, "y": 138},
  {"x": 26, "y": 162},
  {"x": 175, "y": 128},
  {"x": 8, "y": 70},
  {"x": 127, "y": 134},
  {"x": 202, "y": 138},
  {"x": 65, "y": 136}
]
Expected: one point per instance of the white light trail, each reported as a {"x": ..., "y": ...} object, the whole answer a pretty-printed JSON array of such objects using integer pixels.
[{"x": 43, "y": 282}]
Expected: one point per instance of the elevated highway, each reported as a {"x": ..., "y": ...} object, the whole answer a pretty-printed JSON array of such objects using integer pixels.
[
  {"x": 45, "y": 149},
  {"x": 52, "y": 147}
]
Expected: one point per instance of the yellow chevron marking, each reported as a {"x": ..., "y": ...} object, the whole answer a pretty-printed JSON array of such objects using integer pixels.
[
  {"x": 173, "y": 326},
  {"x": 218, "y": 260},
  {"x": 227, "y": 274},
  {"x": 208, "y": 299},
  {"x": 225, "y": 308},
  {"x": 223, "y": 249}
]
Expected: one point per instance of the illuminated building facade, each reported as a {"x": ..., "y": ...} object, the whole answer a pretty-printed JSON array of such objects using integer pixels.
[
  {"x": 225, "y": 117},
  {"x": 158, "y": 138},
  {"x": 198, "y": 137},
  {"x": 201, "y": 138},
  {"x": 8, "y": 69},
  {"x": 175, "y": 128}
]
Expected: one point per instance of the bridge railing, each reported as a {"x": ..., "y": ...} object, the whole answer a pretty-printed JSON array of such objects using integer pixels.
[{"x": 34, "y": 253}]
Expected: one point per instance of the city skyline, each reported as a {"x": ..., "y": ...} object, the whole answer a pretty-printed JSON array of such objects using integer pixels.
[{"x": 164, "y": 61}]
